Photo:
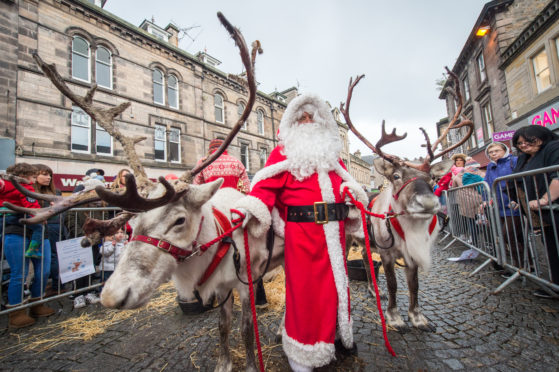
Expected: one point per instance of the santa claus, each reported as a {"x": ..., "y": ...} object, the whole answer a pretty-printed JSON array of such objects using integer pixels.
[{"x": 300, "y": 189}]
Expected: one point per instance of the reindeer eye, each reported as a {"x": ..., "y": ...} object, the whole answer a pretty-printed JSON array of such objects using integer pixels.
[
  {"x": 180, "y": 221},
  {"x": 396, "y": 177}
]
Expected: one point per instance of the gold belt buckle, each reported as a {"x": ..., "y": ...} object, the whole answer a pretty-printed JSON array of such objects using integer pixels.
[{"x": 316, "y": 220}]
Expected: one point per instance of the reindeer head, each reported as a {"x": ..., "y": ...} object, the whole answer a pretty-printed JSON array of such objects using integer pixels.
[{"x": 412, "y": 184}]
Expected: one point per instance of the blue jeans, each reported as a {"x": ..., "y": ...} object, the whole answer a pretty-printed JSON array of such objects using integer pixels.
[{"x": 14, "y": 251}]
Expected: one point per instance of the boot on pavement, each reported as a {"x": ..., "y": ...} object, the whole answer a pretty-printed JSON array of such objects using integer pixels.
[
  {"x": 19, "y": 318},
  {"x": 40, "y": 310}
]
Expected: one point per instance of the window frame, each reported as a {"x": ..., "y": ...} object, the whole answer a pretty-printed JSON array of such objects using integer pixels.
[
  {"x": 488, "y": 123},
  {"x": 161, "y": 86},
  {"x": 174, "y": 89},
  {"x": 247, "y": 163},
  {"x": 263, "y": 151},
  {"x": 260, "y": 121},
  {"x": 240, "y": 109},
  {"x": 220, "y": 108},
  {"x": 109, "y": 65},
  {"x": 466, "y": 86},
  {"x": 178, "y": 142},
  {"x": 77, "y": 109},
  {"x": 100, "y": 128},
  {"x": 155, "y": 139},
  {"x": 537, "y": 74},
  {"x": 481, "y": 68},
  {"x": 88, "y": 57}
]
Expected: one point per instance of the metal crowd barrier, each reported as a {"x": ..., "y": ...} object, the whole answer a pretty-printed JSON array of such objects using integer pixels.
[
  {"x": 69, "y": 226},
  {"x": 524, "y": 242}
]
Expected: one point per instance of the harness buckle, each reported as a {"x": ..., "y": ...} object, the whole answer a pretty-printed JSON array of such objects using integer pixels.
[
  {"x": 161, "y": 241},
  {"x": 316, "y": 213}
]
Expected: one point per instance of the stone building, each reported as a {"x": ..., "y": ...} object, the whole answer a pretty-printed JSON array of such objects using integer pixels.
[
  {"x": 178, "y": 101},
  {"x": 479, "y": 69},
  {"x": 531, "y": 65}
]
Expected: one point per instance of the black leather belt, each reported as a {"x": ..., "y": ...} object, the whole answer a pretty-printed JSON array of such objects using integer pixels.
[{"x": 319, "y": 212}]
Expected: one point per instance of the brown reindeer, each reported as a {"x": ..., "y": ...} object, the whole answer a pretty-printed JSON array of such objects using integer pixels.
[
  {"x": 171, "y": 222},
  {"x": 411, "y": 228}
]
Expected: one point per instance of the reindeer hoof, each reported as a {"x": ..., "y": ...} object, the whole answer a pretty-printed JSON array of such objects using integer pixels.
[
  {"x": 278, "y": 338},
  {"x": 427, "y": 327},
  {"x": 402, "y": 329}
]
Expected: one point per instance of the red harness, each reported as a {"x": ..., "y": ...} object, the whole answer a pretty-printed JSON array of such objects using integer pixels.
[
  {"x": 222, "y": 224},
  {"x": 394, "y": 220}
]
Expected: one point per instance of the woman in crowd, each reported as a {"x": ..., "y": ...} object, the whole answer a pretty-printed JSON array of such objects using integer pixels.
[
  {"x": 539, "y": 147},
  {"x": 17, "y": 249},
  {"x": 502, "y": 163},
  {"x": 57, "y": 231},
  {"x": 120, "y": 179}
]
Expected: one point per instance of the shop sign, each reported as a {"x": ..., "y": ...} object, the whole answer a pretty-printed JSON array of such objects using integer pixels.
[{"x": 503, "y": 136}]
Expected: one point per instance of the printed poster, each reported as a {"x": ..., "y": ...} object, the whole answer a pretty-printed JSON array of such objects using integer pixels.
[{"x": 74, "y": 261}]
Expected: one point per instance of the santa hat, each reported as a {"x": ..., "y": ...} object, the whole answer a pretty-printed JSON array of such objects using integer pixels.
[{"x": 214, "y": 144}]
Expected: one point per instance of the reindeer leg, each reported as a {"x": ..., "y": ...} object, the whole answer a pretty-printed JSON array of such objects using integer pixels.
[
  {"x": 417, "y": 319},
  {"x": 280, "y": 328},
  {"x": 224, "y": 363},
  {"x": 370, "y": 285},
  {"x": 393, "y": 317},
  {"x": 247, "y": 330}
]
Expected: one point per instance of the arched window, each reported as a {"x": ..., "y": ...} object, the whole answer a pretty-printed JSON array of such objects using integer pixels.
[
  {"x": 104, "y": 68},
  {"x": 240, "y": 109},
  {"x": 218, "y": 105},
  {"x": 80, "y": 59},
  {"x": 173, "y": 91},
  {"x": 158, "y": 83},
  {"x": 260, "y": 121}
]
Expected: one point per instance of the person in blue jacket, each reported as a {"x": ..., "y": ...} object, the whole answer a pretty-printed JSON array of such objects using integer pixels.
[{"x": 502, "y": 163}]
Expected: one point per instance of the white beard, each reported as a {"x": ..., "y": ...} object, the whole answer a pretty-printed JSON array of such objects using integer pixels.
[{"x": 309, "y": 148}]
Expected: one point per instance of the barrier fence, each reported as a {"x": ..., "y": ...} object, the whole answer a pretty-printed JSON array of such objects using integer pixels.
[
  {"x": 38, "y": 278},
  {"x": 498, "y": 223}
]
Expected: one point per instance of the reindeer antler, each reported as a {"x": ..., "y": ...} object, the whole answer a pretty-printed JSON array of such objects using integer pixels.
[
  {"x": 248, "y": 61},
  {"x": 385, "y": 138}
]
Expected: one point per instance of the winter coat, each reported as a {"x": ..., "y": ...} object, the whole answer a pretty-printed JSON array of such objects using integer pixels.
[
  {"x": 110, "y": 254},
  {"x": 468, "y": 199},
  {"x": 503, "y": 167}
]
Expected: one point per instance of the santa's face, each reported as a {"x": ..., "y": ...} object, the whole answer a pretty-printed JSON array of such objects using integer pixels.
[{"x": 305, "y": 118}]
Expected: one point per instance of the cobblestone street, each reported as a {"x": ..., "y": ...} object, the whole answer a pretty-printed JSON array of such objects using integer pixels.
[{"x": 473, "y": 330}]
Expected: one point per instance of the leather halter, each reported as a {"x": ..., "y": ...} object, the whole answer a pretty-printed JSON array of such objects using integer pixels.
[
  {"x": 395, "y": 196},
  {"x": 180, "y": 254}
]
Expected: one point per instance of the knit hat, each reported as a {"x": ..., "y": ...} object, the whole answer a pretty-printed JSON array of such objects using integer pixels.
[
  {"x": 471, "y": 163},
  {"x": 214, "y": 144}
]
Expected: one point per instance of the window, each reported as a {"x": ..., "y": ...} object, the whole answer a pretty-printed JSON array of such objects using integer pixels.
[
  {"x": 240, "y": 110},
  {"x": 541, "y": 71},
  {"x": 245, "y": 155},
  {"x": 173, "y": 91},
  {"x": 260, "y": 121},
  {"x": 218, "y": 104},
  {"x": 263, "y": 156},
  {"x": 488, "y": 121},
  {"x": 103, "y": 68},
  {"x": 173, "y": 137},
  {"x": 160, "y": 143},
  {"x": 158, "y": 94},
  {"x": 81, "y": 135},
  {"x": 80, "y": 59},
  {"x": 481, "y": 68},
  {"x": 466, "y": 88},
  {"x": 103, "y": 141},
  {"x": 175, "y": 145}
]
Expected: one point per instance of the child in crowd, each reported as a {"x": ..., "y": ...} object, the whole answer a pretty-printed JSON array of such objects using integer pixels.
[{"x": 111, "y": 251}]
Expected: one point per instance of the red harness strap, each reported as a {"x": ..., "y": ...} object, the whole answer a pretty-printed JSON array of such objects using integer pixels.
[
  {"x": 396, "y": 225},
  {"x": 222, "y": 224},
  {"x": 178, "y": 253}
]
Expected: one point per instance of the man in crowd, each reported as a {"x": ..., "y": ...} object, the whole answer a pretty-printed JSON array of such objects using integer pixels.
[{"x": 301, "y": 187}]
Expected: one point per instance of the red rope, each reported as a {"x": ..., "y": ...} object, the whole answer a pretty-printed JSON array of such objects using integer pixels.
[
  {"x": 251, "y": 289},
  {"x": 361, "y": 208}
]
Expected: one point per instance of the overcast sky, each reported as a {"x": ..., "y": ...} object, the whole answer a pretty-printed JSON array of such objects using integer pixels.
[{"x": 401, "y": 46}]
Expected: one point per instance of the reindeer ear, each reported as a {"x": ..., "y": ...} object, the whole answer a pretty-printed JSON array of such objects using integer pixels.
[
  {"x": 199, "y": 194},
  {"x": 382, "y": 166},
  {"x": 441, "y": 168}
]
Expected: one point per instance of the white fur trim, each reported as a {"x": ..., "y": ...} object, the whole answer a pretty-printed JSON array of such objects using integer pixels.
[
  {"x": 337, "y": 260},
  {"x": 269, "y": 171},
  {"x": 261, "y": 221},
  {"x": 294, "y": 111},
  {"x": 278, "y": 223},
  {"x": 317, "y": 355}
]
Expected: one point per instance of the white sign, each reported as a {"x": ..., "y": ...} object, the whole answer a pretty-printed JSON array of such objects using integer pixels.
[{"x": 74, "y": 261}]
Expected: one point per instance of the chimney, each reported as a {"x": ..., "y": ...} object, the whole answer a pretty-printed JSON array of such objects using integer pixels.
[{"x": 174, "y": 32}]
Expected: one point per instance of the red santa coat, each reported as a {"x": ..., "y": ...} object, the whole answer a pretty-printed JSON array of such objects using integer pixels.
[
  {"x": 227, "y": 167},
  {"x": 11, "y": 194},
  {"x": 317, "y": 286}
]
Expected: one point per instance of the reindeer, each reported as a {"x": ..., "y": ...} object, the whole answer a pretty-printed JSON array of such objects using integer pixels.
[
  {"x": 170, "y": 224},
  {"x": 411, "y": 227}
]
